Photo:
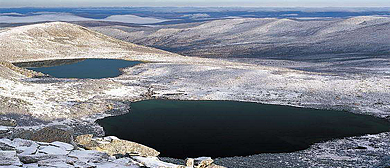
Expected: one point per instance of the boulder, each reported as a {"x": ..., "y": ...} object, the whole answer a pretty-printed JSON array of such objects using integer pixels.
[
  {"x": 23, "y": 134},
  {"x": 190, "y": 162},
  {"x": 25, "y": 147},
  {"x": 114, "y": 146},
  {"x": 54, "y": 133},
  {"x": 83, "y": 140},
  {"x": 118, "y": 146}
]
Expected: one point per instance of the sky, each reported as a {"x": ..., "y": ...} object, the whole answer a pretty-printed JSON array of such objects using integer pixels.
[{"x": 195, "y": 3}]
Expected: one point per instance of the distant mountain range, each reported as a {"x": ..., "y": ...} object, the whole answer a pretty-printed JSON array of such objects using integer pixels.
[{"x": 173, "y": 15}]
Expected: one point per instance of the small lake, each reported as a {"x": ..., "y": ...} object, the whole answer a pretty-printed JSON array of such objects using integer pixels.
[
  {"x": 79, "y": 68},
  {"x": 182, "y": 129}
]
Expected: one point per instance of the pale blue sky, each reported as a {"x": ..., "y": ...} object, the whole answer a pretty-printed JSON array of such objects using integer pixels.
[{"x": 247, "y": 3}]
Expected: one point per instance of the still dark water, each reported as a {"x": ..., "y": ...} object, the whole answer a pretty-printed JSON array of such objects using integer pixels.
[
  {"x": 80, "y": 68},
  {"x": 182, "y": 129}
]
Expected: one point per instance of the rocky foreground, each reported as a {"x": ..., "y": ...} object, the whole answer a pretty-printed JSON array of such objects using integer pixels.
[
  {"x": 34, "y": 101},
  {"x": 55, "y": 146}
]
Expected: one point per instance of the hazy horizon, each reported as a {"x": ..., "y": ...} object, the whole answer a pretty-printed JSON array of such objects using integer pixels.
[{"x": 195, "y": 3}]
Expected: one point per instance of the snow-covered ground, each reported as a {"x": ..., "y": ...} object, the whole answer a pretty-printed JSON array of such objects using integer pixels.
[{"x": 167, "y": 75}]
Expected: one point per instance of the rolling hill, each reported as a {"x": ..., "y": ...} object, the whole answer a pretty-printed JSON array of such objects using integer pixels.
[{"x": 298, "y": 38}]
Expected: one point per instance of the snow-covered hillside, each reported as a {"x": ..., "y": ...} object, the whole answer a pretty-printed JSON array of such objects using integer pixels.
[
  {"x": 265, "y": 37},
  {"x": 58, "y": 40}
]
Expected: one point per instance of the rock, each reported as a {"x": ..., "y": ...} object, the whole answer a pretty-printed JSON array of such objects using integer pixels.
[
  {"x": 63, "y": 145},
  {"x": 6, "y": 147},
  {"x": 203, "y": 162},
  {"x": 28, "y": 153},
  {"x": 89, "y": 156},
  {"x": 52, "y": 150},
  {"x": 58, "y": 163},
  {"x": 114, "y": 146},
  {"x": 215, "y": 166},
  {"x": 9, "y": 158},
  {"x": 29, "y": 150},
  {"x": 117, "y": 146},
  {"x": 8, "y": 122},
  {"x": 31, "y": 165},
  {"x": 4, "y": 130},
  {"x": 83, "y": 140},
  {"x": 190, "y": 162},
  {"x": 24, "y": 134},
  {"x": 25, "y": 147},
  {"x": 123, "y": 162},
  {"x": 154, "y": 162},
  {"x": 28, "y": 159},
  {"x": 50, "y": 134},
  {"x": 21, "y": 146}
]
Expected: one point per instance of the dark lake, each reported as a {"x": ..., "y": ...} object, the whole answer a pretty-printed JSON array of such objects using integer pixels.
[
  {"x": 182, "y": 129},
  {"x": 79, "y": 68}
]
